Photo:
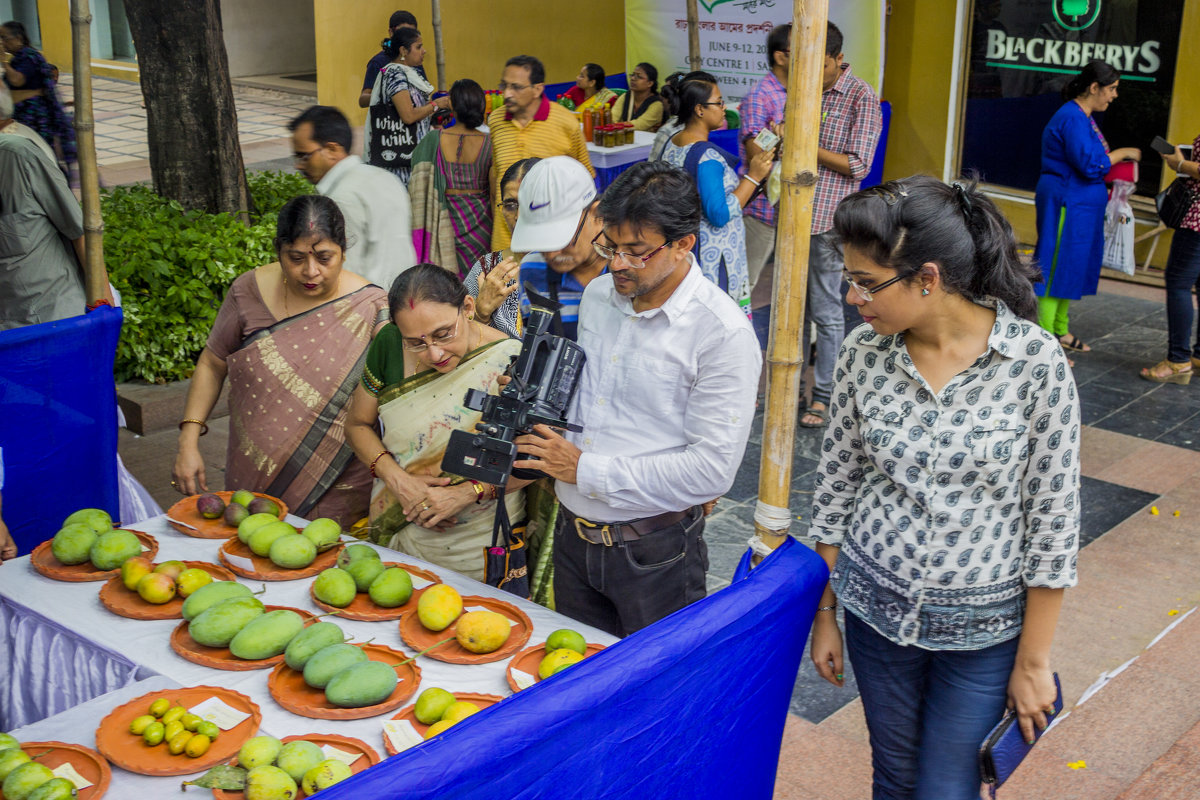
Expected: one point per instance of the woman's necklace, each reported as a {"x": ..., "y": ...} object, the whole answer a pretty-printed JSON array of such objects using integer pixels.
[{"x": 283, "y": 287}]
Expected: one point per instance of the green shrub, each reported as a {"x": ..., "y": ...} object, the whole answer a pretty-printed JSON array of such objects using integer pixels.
[{"x": 173, "y": 268}]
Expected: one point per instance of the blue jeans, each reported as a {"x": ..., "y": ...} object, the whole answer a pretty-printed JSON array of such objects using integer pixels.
[
  {"x": 1183, "y": 272},
  {"x": 824, "y": 309},
  {"x": 927, "y": 712}
]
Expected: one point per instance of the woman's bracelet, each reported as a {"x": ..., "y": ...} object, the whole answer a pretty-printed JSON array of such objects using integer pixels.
[
  {"x": 828, "y": 608},
  {"x": 756, "y": 183},
  {"x": 203, "y": 425},
  {"x": 375, "y": 461},
  {"x": 479, "y": 490}
]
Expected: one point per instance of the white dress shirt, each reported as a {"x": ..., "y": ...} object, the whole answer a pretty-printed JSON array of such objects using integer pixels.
[
  {"x": 665, "y": 400},
  {"x": 378, "y": 219}
]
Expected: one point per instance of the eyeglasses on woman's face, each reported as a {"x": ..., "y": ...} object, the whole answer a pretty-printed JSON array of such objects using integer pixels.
[
  {"x": 439, "y": 338},
  {"x": 632, "y": 260},
  {"x": 867, "y": 293}
]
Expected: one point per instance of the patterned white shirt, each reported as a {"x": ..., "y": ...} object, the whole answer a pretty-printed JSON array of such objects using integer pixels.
[{"x": 947, "y": 506}]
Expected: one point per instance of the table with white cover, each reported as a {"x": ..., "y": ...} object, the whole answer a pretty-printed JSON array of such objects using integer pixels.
[{"x": 65, "y": 660}]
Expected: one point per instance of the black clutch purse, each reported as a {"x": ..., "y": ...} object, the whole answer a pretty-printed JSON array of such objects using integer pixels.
[
  {"x": 1174, "y": 201},
  {"x": 1003, "y": 748}
]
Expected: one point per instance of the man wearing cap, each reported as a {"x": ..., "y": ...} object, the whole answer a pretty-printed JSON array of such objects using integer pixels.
[
  {"x": 398, "y": 20},
  {"x": 665, "y": 399},
  {"x": 556, "y": 226},
  {"x": 373, "y": 201},
  {"x": 529, "y": 126}
]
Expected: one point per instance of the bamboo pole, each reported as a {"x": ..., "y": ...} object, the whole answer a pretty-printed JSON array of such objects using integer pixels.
[
  {"x": 439, "y": 52},
  {"x": 95, "y": 276},
  {"x": 799, "y": 180},
  {"x": 693, "y": 23}
]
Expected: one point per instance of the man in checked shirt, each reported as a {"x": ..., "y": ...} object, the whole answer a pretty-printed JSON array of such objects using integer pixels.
[{"x": 850, "y": 126}]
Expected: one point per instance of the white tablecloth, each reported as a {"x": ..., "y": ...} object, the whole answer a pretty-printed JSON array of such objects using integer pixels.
[
  {"x": 76, "y": 607},
  {"x": 609, "y": 157}
]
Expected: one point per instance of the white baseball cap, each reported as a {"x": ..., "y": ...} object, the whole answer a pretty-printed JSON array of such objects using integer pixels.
[{"x": 552, "y": 197}]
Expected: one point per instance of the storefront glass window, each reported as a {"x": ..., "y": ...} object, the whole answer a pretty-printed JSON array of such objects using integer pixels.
[{"x": 1024, "y": 51}]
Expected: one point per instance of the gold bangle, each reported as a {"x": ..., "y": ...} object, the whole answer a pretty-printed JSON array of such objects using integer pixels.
[{"x": 203, "y": 425}]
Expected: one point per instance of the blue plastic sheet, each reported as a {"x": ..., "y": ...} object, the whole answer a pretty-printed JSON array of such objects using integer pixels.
[
  {"x": 692, "y": 706},
  {"x": 58, "y": 422}
]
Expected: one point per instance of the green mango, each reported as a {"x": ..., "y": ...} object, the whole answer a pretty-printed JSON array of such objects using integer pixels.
[
  {"x": 298, "y": 757},
  {"x": 259, "y": 751},
  {"x": 217, "y": 626},
  {"x": 95, "y": 518},
  {"x": 292, "y": 551},
  {"x": 356, "y": 551},
  {"x": 323, "y": 532},
  {"x": 393, "y": 587},
  {"x": 266, "y": 636},
  {"x": 73, "y": 544},
  {"x": 269, "y": 783},
  {"x": 21, "y": 782},
  {"x": 243, "y": 497},
  {"x": 209, "y": 595},
  {"x": 431, "y": 704},
  {"x": 11, "y": 759},
  {"x": 8, "y": 741},
  {"x": 335, "y": 587},
  {"x": 113, "y": 548},
  {"x": 252, "y": 523},
  {"x": 262, "y": 539},
  {"x": 328, "y": 661},
  {"x": 364, "y": 571},
  {"x": 361, "y": 685},
  {"x": 308, "y": 641},
  {"x": 53, "y": 789}
]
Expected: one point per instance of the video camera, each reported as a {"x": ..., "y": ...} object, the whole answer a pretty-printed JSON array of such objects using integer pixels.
[{"x": 544, "y": 376}]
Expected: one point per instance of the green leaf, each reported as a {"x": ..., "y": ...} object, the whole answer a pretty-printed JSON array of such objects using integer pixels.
[{"x": 220, "y": 777}]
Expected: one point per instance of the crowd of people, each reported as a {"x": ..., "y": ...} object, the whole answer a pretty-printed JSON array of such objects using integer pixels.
[{"x": 946, "y": 504}]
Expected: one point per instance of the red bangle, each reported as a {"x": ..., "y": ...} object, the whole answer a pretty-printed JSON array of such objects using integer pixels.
[{"x": 375, "y": 461}]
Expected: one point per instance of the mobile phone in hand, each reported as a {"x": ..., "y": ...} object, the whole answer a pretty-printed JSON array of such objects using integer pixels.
[{"x": 1161, "y": 145}]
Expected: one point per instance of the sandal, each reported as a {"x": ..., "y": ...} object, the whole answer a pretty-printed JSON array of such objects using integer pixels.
[
  {"x": 821, "y": 413},
  {"x": 1169, "y": 372},
  {"x": 1071, "y": 342}
]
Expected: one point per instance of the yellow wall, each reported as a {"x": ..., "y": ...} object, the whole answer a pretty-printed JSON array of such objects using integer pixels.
[
  {"x": 54, "y": 18},
  {"x": 478, "y": 35}
]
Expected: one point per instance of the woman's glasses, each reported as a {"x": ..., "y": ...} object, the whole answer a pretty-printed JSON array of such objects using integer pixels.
[
  {"x": 865, "y": 293},
  {"x": 440, "y": 340}
]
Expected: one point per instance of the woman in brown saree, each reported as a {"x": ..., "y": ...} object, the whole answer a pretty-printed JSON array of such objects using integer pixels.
[
  {"x": 417, "y": 373},
  {"x": 291, "y": 337}
]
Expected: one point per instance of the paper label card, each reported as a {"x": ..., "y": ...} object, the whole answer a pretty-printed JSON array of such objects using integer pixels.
[
  {"x": 340, "y": 755},
  {"x": 419, "y": 582},
  {"x": 240, "y": 561},
  {"x": 68, "y": 772},
  {"x": 225, "y": 716},
  {"x": 402, "y": 734},
  {"x": 523, "y": 679}
]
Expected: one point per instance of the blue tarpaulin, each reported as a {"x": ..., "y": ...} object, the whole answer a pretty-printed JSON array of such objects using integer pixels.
[
  {"x": 692, "y": 706},
  {"x": 58, "y": 422}
]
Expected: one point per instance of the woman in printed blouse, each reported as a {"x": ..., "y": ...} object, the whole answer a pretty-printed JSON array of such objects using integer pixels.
[{"x": 946, "y": 503}]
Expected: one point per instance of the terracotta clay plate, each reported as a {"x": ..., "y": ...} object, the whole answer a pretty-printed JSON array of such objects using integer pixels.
[
  {"x": 122, "y": 748},
  {"x": 418, "y": 637},
  {"x": 361, "y": 608},
  {"x": 344, "y": 743},
  {"x": 481, "y": 700},
  {"x": 288, "y": 688},
  {"x": 44, "y": 562},
  {"x": 265, "y": 570},
  {"x": 119, "y": 600},
  {"x": 527, "y": 661},
  {"x": 185, "y": 511},
  {"x": 220, "y": 657},
  {"x": 86, "y": 761}
]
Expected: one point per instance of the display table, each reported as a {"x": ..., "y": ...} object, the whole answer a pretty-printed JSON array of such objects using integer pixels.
[
  {"x": 609, "y": 162},
  {"x": 59, "y": 648}
]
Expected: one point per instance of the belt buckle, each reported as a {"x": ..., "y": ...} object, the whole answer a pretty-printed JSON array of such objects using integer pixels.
[{"x": 605, "y": 532}]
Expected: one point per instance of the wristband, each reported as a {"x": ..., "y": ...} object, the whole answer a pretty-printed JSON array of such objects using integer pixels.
[{"x": 375, "y": 461}]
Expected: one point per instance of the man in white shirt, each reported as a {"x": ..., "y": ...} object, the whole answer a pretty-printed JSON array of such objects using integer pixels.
[
  {"x": 665, "y": 400},
  {"x": 373, "y": 201}
]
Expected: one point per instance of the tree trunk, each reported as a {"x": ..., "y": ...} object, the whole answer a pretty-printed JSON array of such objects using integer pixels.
[{"x": 191, "y": 122}]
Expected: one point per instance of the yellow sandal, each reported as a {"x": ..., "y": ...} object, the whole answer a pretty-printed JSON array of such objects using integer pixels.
[{"x": 1169, "y": 372}]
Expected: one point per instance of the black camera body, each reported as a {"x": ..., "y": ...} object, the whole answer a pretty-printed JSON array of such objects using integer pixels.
[{"x": 545, "y": 375}]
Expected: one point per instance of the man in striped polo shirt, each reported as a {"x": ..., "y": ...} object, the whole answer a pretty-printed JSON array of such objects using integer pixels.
[{"x": 528, "y": 126}]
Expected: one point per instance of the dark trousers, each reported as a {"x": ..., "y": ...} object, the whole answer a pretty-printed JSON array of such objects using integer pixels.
[
  {"x": 927, "y": 712},
  {"x": 624, "y": 587},
  {"x": 1183, "y": 272}
]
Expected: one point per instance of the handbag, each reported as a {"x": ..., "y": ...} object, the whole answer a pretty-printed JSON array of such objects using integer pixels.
[
  {"x": 506, "y": 560},
  {"x": 1004, "y": 747},
  {"x": 1174, "y": 201}
]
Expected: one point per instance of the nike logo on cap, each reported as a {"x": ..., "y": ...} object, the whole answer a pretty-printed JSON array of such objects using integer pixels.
[{"x": 533, "y": 207}]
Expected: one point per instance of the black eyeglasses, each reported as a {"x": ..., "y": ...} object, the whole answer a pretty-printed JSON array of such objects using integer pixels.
[
  {"x": 632, "y": 260},
  {"x": 720, "y": 103},
  {"x": 509, "y": 205},
  {"x": 868, "y": 294}
]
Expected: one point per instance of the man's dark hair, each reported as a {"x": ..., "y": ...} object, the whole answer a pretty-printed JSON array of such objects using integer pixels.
[
  {"x": 656, "y": 195},
  {"x": 329, "y": 125},
  {"x": 467, "y": 98},
  {"x": 537, "y": 72},
  {"x": 779, "y": 40},
  {"x": 399, "y": 18},
  {"x": 833, "y": 41}
]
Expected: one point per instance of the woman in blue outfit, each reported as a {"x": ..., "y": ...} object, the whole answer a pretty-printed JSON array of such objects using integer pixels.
[
  {"x": 1071, "y": 198},
  {"x": 946, "y": 503},
  {"x": 700, "y": 109},
  {"x": 34, "y": 83}
]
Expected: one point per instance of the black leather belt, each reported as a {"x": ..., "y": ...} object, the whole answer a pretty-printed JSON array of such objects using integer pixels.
[{"x": 608, "y": 533}]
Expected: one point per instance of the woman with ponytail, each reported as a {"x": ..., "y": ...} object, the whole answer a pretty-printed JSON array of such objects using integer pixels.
[
  {"x": 1071, "y": 198},
  {"x": 946, "y": 503}
]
